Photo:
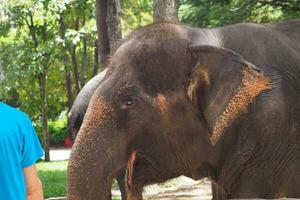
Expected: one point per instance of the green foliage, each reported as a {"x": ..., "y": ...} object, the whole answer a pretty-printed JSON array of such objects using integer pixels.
[
  {"x": 135, "y": 14},
  {"x": 207, "y": 13},
  {"x": 31, "y": 45},
  {"x": 23, "y": 60},
  {"x": 57, "y": 131}
]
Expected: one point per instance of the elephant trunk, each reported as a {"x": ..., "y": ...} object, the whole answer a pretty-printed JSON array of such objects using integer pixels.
[{"x": 95, "y": 156}]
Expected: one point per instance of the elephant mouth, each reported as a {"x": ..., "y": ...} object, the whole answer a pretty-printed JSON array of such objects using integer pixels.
[
  {"x": 130, "y": 167},
  {"x": 143, "y": 170}
]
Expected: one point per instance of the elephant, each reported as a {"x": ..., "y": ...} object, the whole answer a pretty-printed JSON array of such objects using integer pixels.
[
  {"x": 222, "y": 102},
  {"x": 75, "y": 119},
  {"x": 76, "y": 115}
]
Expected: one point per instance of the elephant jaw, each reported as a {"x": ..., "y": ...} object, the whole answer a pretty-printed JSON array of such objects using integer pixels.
[{"x": 130, "y": 167}]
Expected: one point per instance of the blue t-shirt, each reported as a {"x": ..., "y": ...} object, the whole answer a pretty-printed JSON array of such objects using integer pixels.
[{"x": 19, "y": 148}]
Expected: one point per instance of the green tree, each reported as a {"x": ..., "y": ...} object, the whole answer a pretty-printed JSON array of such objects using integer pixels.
[
  {"x": 34, "y": 53},
  {"x": 135, "y": 14},
  {"x": 38, "y": 56},
  {"x": 214, "y": 13}
]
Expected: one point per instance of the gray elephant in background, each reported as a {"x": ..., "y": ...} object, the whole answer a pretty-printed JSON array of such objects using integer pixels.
[{"x": 80, "y": 104}]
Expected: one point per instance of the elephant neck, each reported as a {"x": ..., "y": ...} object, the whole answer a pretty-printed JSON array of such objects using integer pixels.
[{"x": 251, "y": 153}]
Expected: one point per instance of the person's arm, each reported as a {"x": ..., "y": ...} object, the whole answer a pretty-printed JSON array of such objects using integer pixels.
[{"x": 34, "y": 188}]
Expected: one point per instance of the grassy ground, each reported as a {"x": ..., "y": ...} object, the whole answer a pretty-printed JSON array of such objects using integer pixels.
[{"x": 53, "y": 177}]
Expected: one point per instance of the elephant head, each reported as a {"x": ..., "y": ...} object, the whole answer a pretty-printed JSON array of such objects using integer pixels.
[{"x": 162, "y": 110}]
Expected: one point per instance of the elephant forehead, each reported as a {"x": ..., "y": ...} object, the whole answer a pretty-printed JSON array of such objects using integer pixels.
[{"x": 161, "y": 70}]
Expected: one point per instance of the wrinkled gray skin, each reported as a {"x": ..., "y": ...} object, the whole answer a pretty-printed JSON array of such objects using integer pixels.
[
  {"x": 223, "y": 101},
  {"x": 76, "y": 115}
]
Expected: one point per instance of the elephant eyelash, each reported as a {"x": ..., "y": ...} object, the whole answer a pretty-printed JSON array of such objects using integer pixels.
[{"x": 125, "y": 88}]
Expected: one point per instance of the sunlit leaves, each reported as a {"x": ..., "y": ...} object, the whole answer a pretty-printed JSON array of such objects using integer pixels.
[
  {"x": 74, "y": 36},
  {"x": 135, "y": 13},
  {"x": 207, "y": 13}
]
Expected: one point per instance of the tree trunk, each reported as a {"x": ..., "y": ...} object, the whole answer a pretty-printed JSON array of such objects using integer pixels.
[
  {"x": 42, "y": 84},
  {"x": 165, "y": 10},
  {"x": 113, "y": 23},
  {"x": 68, "y": 84},
  {"x": 44, "y": 107},
  {"x": 72, "y": 52},
  {"x": 102, "y": 30},
  {"x": 67, "y": 69},
  {"x": 84, "y": 63},
  {"x": 96, "y": 60},
  {"x": 108, "y": 28}
]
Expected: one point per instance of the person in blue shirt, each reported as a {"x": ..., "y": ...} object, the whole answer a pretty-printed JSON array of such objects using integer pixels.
[{"x": 19, "y": 151}]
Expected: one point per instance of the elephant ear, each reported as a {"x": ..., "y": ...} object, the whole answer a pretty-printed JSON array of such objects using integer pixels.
[{"x": 222, "y": 85}]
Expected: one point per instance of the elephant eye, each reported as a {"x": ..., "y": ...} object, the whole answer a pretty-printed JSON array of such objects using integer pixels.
[{"x": 128, "y": 103}]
